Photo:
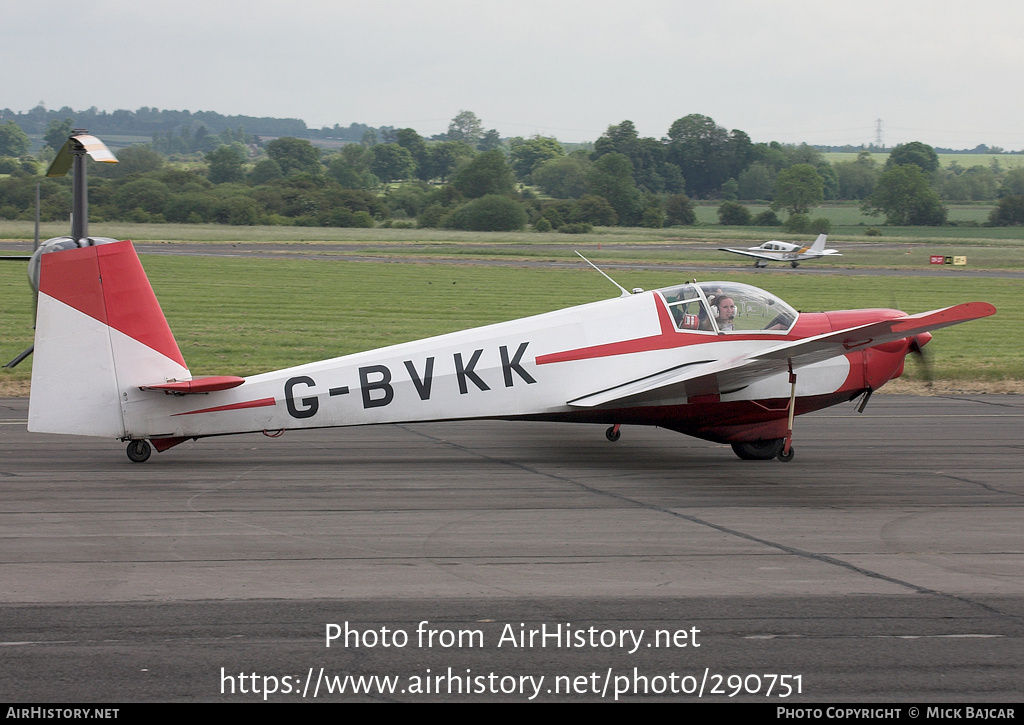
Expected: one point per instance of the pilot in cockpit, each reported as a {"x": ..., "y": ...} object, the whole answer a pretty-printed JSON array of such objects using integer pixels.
[
  {"x": 726, "y": 312},
  {"x": 723, "y": 308}
]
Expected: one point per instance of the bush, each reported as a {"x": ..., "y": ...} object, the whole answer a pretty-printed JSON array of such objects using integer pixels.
[
  {"x": 491, "y": 213},
  {"x": 576, "y": 228},
  {"x": 653, "y": 218},
  {"x": 679, "y": 211},
  {"x": 798, "y": 224},
  {"x": 363, "y": 220},
  {"x": 542, "y": 225},
  {"x": 431, "y": 217},
  {"x": 594, "y": 209},
  {"x": 873, "y": 232},
  {"x": 1009, "y": 212},
  {"x": 820, "y": 225},
  {"x": 733, "y": 214},
  {"x": 767, "y": 218}
]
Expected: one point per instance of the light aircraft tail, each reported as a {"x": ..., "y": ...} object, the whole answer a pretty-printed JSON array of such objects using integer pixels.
[
  {"x": 99, "y": 332},
  {"x": 819, "y": 243}
]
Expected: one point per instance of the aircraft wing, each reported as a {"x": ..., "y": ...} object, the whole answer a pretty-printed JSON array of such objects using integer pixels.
[
  {"x": 726, "y": 375},
  {"x": 747, "y": 253}
]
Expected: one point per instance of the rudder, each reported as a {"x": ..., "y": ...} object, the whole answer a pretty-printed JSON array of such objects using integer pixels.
[{"x": 99, "y": 332}]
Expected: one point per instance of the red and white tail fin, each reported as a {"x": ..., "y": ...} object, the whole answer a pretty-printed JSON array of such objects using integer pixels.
[{"x": 99, "y": 332}]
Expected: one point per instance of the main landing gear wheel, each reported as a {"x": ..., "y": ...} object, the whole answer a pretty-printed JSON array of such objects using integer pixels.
[
  {"x": 613, "y": 433},
  {"x": 760, "y": 450},
  {"x": 787, "y": 457},
  {"x": 139, "y": 451}
]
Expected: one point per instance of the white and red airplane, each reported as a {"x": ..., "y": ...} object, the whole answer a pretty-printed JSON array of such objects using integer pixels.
[
  {"x": 722, "y": 361},
  {"x": 106, "y": 364},
  {"x": 776, "y": 251}
]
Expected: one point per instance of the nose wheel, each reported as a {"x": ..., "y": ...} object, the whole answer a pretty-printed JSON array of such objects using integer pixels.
[
  {"x": 139, "y": 451},
  {"x": 613, "y": 433}
]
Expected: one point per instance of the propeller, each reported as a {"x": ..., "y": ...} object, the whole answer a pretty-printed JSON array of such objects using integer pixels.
[
  {"x": 71, "y": 155},
  {"x": 916, "y": 348}
]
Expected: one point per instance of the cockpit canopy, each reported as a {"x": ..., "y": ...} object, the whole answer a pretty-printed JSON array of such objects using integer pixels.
[{"x": 723, "y": 307}]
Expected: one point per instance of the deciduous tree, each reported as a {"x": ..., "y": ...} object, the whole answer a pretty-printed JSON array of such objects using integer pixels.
[
  {"x": 57, "y": 132},
  {"x": 798, "y": 188},
  {"x": 392, "y": 162},
  {"x": 295, "y": 155},
  {"x": 227, "y": 164},
  {"x": 920, "y": 154},
  {"x": 905, "y": 197},
  {"x": 1009, "y": 212},
  {"x": 13, "y": 141},
  {"x": 611, "y": 176},
  {"x": 526, "y": 155},
  {"x": 487, "y": 173},
  {"x": 565, "y": 177},
  {"x": 466, "y": 127}
]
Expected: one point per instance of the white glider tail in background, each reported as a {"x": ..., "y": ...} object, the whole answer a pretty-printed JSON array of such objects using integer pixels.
[{"x": 776, "y": 251}]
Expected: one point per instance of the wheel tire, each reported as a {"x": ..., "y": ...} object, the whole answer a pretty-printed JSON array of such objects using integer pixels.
[
  {"x": 139, "y": 451},
  {"x": 759, "y": 450},
  {"x": 787, "y": 457},
  {"x": 612, "y": 434}
]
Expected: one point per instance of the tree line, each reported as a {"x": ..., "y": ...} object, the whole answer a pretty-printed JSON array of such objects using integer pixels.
[{"x": 471, "y": 178}]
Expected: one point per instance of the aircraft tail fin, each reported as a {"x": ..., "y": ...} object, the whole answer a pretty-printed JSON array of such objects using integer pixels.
[
  {"x": 819, "y": 243},
  {"x": 99, "y": 332}
]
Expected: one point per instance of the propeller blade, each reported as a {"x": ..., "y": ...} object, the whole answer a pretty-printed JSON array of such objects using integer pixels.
[{"x": 917, "y": 349}]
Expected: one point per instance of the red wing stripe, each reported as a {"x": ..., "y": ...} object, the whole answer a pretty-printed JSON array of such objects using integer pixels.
[{"x": 261, "y": 403}]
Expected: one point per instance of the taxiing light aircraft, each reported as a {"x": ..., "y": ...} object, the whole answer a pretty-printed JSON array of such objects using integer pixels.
[
  {"x": 722, "y": 361},
  {"x": 776, "y": 251}
]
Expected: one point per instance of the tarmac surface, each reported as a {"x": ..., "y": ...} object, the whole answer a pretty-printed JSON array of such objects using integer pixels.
[{"x": 885, "y": 563}]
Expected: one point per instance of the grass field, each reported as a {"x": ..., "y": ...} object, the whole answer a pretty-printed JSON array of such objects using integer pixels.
[
  {"x": 848, "y": 222},
  {"x": 1007, "y": 161},
  {"x": 243, "y": 316}
]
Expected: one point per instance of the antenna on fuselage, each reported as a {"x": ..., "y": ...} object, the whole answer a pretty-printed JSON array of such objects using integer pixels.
[{"x": 625, "y": 292}]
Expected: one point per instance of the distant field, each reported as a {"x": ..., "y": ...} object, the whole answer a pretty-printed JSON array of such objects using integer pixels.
[
  {"x": 1007, "y": 161},
  {"x": 114, "y": 142},
  {"x": 849, "y": 214}
]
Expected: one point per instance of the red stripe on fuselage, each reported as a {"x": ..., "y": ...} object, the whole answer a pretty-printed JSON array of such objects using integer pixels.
[
  {"x": 107, "y": 283},
  {"x": 261, "y": 403},
  {"x": 667, "y": 339}
]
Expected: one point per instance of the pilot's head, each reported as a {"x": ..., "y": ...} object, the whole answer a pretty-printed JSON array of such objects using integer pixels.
[{"x": 726, "y": 308}]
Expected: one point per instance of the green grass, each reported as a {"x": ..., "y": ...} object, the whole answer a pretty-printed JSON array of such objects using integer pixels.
[
  {"x": 1007, "y": 161},
  {"x": 243, "y": 316}
]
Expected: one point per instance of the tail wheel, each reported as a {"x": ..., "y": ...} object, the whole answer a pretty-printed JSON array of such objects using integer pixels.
[
  {"x": 139, "y": 451},
  {"x": 787, "y": 456},
  {"x": 759, "y": 450},
  {"x": 613, "y": 433}
]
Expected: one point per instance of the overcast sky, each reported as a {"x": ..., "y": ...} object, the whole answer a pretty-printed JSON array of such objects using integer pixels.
[{"x": 944, "y": 72}]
